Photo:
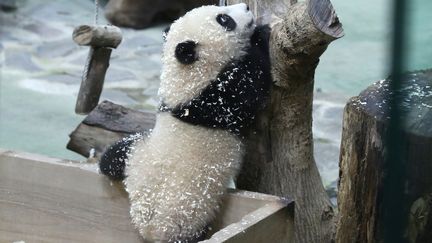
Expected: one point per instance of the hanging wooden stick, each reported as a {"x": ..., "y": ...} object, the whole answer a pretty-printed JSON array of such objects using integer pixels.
[{"x": 101, "y": 39}]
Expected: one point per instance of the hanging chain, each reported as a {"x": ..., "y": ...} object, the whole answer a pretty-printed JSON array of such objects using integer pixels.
[
  {"x": 221, "y": 2},
  {"x": 84, "y": 75},
  {"x": 96, "y": 12}
]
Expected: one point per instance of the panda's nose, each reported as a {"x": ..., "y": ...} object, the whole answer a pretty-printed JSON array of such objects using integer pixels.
[{"x": 247, "y": 7}]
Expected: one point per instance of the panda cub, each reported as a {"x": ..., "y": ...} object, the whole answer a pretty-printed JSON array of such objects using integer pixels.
[{"x": 215, "y": 77}]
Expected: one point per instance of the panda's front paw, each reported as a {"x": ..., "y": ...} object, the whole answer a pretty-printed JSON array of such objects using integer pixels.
[
  {"x": 113, "y": 160},
  {"x": 112, "y": 167}
]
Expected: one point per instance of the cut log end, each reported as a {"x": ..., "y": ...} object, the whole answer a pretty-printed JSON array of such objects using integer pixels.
[{"x": 325, "y": 18}]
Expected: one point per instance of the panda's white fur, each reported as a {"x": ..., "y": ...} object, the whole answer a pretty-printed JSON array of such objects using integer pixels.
[
  {"x": 176, "y": 177},
  {"x": 216, "y": 47}
]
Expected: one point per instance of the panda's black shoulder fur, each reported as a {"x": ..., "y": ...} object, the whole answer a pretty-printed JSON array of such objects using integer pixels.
[{"x": 241, "y": 88}]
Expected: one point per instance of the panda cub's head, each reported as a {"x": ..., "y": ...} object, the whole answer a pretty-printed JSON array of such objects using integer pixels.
[{"x": 216, "y": 68}]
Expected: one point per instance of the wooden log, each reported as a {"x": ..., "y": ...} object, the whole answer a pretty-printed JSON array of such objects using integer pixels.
[
  {"x": 93, "y": 80},
  {"x": 97, "y": 36},
  {"x": 50, "y": 200},
  {"x": 107, "y": 124},
  {"x": 363, "y": 152}
]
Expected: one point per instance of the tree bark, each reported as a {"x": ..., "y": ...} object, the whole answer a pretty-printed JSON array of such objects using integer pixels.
[
  {"x": 279, "y": 158},
  {"x": 363, "y": 152}
]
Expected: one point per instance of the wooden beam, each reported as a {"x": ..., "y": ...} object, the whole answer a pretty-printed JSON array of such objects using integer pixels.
[{"x": 97, "y": 36}]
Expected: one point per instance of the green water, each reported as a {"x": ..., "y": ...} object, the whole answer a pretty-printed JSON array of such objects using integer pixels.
[
  {"x": 362, "y": 56},
  {"x": 35, "y": 122}
]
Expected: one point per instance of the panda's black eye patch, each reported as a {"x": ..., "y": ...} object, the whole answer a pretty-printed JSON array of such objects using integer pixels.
[
  {"x": 226, "y": 21},
  {"x": 185, "y": 52}
]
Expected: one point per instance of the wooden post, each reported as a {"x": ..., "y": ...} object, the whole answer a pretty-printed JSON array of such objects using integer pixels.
[
  {"x": 363, "y": 152},
  {"x": 101, "y": 39}
]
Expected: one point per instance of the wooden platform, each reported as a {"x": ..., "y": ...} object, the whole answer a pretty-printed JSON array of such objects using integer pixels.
[{"x": 51, "y": 200}]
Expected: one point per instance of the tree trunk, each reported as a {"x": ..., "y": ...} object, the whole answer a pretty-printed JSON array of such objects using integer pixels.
[
  {"x": 363, "y": 152},
  {"x": 279, "y": 159}
]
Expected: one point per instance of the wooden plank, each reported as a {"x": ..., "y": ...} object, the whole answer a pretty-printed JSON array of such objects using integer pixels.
[
  {"x": 45, "y": 202},
  {"x": 52, "y": 200},
  {"x": 237, "y": 204},
  {"x": 271, "y": 221}
]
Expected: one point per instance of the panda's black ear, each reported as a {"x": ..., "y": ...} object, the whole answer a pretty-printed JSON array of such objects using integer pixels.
[
  {"x": 165, "y": 32},
  {"x": 185, "y": 52}
]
